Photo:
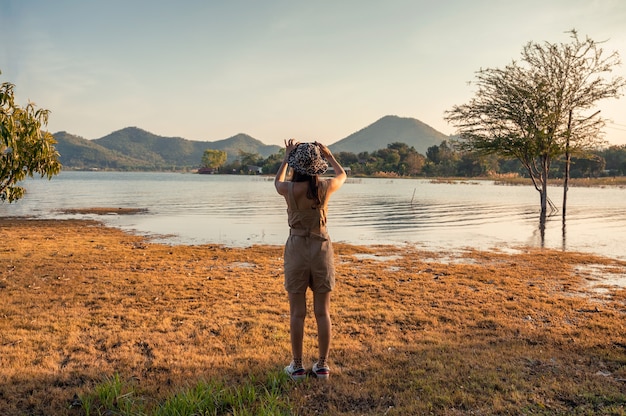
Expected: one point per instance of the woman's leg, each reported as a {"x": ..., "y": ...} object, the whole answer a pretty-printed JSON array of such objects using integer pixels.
[
  {"x": 321, "y": 306},
  {"x": 297, "y": 313}
]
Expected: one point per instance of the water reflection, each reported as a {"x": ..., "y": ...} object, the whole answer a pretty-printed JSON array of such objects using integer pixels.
[
  {"x": 564, "y": 233},
  {"x": 240, "y": 210}
]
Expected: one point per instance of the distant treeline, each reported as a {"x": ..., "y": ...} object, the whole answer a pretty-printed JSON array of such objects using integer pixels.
[{"x": 398, "y": 159}]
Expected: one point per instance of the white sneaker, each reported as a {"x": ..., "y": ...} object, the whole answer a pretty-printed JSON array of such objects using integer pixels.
[
  {"x": 295, "y": 373},
  {"x": 321, "y": 372}
]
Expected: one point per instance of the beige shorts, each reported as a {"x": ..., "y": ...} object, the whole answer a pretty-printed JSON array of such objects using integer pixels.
[{"x": 309, "y": 262}]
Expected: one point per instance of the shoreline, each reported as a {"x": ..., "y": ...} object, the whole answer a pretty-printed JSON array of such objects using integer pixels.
[
  {"x": 173, "y": 240},
  {"x": 487, "y": 216},
  {"x": 608, "y": 272}
]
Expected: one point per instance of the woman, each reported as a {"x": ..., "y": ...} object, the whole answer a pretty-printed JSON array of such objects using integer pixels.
[{"x": 308, "y": 251}]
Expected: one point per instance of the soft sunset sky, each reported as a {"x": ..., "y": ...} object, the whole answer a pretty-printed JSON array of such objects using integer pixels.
[{"x": 275, "y": 69}]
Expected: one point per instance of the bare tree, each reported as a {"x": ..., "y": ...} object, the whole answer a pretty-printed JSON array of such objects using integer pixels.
[{"x": 538, "y": 109}]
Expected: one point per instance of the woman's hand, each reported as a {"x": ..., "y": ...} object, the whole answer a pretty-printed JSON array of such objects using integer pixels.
[
  {"x": 340, "y": 174},
  {"x": 279, "y": 180},
  {"x": 324, "y": 151},
  {"x": 290, "y": 145}
]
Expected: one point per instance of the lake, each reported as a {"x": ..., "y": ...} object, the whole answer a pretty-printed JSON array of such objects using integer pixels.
[{"x": 246, "y": 210}]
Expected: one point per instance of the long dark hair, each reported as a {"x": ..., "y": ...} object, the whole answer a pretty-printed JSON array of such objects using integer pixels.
[{"x": 312, "y": 191}]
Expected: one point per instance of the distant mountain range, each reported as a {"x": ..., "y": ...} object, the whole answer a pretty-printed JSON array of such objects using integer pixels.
[{"x": 135, "y": 149}]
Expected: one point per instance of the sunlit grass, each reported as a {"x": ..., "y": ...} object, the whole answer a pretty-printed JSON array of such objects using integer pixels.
[
  {"x": 115, "y": 397},
  {"x": 94, "y": 321},
  {"x": 617, "y": 181}
]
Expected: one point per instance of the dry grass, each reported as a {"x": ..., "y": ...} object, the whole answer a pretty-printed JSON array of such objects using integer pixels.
[
  {"x": 609, "y": 181},
  {"x": 414, "y": 332}
]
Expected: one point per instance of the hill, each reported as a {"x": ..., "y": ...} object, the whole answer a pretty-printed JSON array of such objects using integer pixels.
[
  {"x": 134, "y": 148},
  {"x": 158, "y": 151},
  {"x": 176, "y": 151},
  {"x": 244, "y": 143},
  {"x": 79, "y": 153},
  {"x": 387, "y": 130}
]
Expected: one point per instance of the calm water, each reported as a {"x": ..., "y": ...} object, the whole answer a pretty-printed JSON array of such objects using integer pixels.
[{"x": 245, "y": 210}]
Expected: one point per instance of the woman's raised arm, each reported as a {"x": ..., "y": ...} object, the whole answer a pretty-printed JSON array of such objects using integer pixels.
[{"x": 340, "y": 173}]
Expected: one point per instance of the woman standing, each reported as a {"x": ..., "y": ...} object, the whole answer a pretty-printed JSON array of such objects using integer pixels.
[{"x": 308, "y": 251}]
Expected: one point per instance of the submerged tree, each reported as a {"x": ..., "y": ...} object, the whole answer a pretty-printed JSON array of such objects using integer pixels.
[
  {"x": 25, "y": 149},
  {"x": 539, "y": 108}
]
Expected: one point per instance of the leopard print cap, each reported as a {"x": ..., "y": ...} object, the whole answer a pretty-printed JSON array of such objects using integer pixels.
[{"x": 306, "y": 159}]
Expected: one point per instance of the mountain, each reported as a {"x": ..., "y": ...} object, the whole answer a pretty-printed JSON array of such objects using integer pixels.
[
  {"x": 243, "y": 143},
  {"x": 79, "y": 153},
  {"x": 387, "y": 130},
  {"x": 176, "y": 151},
  {"x": 134, "y": 148},
  {"x": 156, "y": 150}
]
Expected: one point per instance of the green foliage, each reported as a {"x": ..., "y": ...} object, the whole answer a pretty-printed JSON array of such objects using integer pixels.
[
  {"x": 212, "y": 397},
  {"x": 112, "y": 396},
  {"x": 584, "y": 166},
  {"x": 249, "y": 159},
  {"x": 448, "y": 161},
  {"x": 540, "y": 107},
  {"x": 397, "y": 159},
  {"x": 272, "y": 163},
  {"x": 24, "y": 148},
  {"x": 615, "y": 157},
  {"x": 213, "y": 159},
  {"x": 443, "y": 161}
]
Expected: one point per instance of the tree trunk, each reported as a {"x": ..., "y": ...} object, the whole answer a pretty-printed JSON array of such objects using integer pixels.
[
  {"x": 544, "y": 200},
  {"x": 545, "y": 165},
  {"x": 568, "y": 159},
  {"x": 539, "y": 181},
  {"x": 542, "y": 228}
]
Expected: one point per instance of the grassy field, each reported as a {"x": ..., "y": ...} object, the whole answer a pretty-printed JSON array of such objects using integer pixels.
[{"x": 95, "y": 321}]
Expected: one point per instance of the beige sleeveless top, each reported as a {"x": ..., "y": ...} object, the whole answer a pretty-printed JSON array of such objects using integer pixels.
[{"x": 307, "y": 221}]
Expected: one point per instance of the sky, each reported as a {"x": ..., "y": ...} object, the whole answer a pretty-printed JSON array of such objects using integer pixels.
[{"x": 277, "y": 69}]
